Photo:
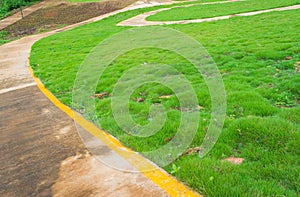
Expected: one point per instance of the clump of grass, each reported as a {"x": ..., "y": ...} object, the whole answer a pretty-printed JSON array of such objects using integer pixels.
[{"x": 4, "y": 37}]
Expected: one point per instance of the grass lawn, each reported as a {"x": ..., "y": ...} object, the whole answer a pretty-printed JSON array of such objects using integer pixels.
[
  {"x": 256, "y": 57},
  {"x": 3, "y": 39},
  {"x": 207, "y": 11}
]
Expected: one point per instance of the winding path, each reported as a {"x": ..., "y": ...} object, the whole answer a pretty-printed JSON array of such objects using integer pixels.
[
  {"x": 41, "y": 152},
  {"x": 140, "y": 20}
]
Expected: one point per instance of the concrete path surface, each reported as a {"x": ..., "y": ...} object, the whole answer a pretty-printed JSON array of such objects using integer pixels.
[
  {"x": 41, "y": 152},
  {"x": 42, "y": 155}
]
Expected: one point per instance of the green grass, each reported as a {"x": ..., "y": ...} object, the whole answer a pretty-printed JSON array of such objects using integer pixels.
[
  {"x": 4, "y": 37},
  {"x": 208, "y": 11},
  {"x": 262, "y": 123}
]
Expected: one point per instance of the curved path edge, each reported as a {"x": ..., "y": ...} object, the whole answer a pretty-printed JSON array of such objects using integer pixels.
[{"x": 158, "y": 176}]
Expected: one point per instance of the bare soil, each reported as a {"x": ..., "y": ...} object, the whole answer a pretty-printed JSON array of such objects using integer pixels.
[{"x": 60, "y": 15}]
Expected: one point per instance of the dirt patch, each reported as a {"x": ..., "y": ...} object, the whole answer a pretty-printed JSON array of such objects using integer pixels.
[
  {"x": 234, "y": 160},
  {"x": 73, "y": 179},
  {"x": 61, "y": 15},
  {"x": 83, "y": 175}
]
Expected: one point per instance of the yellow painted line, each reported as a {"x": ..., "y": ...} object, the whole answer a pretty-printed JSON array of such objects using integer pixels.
[{"x": 162, "y": 179}]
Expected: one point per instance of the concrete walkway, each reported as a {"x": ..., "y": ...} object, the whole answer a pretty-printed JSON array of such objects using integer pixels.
[{"x": 41, "y": 153}]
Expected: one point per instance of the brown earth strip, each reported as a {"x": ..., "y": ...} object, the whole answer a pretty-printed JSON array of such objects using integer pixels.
[
  {"x": 57, "y": 14},
  {"x": 16, "y": 15}
]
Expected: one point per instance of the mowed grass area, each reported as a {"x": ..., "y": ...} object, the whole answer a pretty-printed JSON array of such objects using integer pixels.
[
  {"x": 256, "y": 56},
  {"x": 213, "y": 10}
]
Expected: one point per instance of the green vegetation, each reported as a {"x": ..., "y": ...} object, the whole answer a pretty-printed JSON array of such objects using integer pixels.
[
  {"x": 3, "y": 37},
  {"x": 208, "y": 11},
  {"x": 256, "y": 57},
  {"x": 8, "y": 5}
]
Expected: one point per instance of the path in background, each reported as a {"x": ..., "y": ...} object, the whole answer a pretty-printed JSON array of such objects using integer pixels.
[{"x": 140, "y": 20}]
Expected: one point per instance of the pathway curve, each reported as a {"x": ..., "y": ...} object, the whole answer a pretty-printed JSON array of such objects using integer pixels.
[
  {"x": 41, "y": 152},
  {"x": 140, "y": 20}
]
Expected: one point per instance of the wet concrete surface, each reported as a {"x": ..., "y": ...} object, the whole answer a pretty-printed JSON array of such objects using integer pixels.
[
  {"x": 40, "y": 149},
  {"x": 42, "y": 154},
  {"x": 32, "y": 147}
]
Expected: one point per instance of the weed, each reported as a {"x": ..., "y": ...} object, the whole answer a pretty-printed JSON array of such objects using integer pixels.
[{"x": 175, "y": 169}]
